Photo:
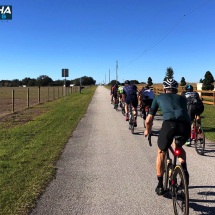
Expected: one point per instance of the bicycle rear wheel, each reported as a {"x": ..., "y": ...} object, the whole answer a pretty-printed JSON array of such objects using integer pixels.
[
  {"x": 180, "y": 198},
  {"x": 200, "y": 141},
  {"x": 132, "y": 122},
  {"x": 167, "y": 174}
]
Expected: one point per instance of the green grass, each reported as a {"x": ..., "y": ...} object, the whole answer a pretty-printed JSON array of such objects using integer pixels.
[
  {"x": 28, "y": 153},
  {"x": 208, "y": 122}
]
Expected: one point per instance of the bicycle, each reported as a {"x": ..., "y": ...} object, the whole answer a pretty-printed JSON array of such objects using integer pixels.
[
  {"x": 198, "y": 137},
  {"x": 131, "y": 118},
  {"x": 116, "y": 104},
  {"x": 175, "y": 182},
  {"x": 142, "y": 115},
  {"x": 123, "y": 108}
]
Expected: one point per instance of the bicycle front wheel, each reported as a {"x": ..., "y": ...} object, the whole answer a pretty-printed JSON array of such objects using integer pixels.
[
  {"x": 180, "y": 198},
  {"x": 200, "y": 140}
]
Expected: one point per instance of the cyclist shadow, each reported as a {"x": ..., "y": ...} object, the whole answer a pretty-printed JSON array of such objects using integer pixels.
[
  {"x": 201, "y": 208},
  {"x": 193, "y": 203}
]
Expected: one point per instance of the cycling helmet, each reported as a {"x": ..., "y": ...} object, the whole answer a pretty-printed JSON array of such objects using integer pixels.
[
  {"x": 147, "y": 87},
  {"x": 116, "y": 85},
  {"x": 127, "y": 82},
  {"x": 189, "y": 88},
  {"x": 170, "y": 84}
]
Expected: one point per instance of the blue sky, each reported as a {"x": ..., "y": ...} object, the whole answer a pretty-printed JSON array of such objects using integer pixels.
[{"x": 88, "y": 36}]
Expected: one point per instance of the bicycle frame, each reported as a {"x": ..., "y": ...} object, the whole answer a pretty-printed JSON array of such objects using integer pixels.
[{"x": 194, "y": 136}]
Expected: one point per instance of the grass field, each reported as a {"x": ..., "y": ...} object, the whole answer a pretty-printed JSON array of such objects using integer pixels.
[
  {"x": 28, "y": 153},
  {"x": 20, "y": 96}
]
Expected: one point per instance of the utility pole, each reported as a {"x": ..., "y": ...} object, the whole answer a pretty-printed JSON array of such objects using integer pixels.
[
  {"x": 116, "y": 71},
  {"x": 109, "y": 75}
]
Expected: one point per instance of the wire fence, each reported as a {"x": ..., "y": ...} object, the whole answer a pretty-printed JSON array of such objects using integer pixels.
[{"x": 18, "y": 98}]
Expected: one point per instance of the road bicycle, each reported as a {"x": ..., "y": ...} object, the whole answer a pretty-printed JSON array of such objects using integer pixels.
[
  {"x": 198, "y": 137},
  {"x": 123, "y": 108},
  {"x": 175, "y": 182},
  {"x": 116, "y": 104},
  {"x": 146, "y": 114},
  {"x": 131, "y": 117}
]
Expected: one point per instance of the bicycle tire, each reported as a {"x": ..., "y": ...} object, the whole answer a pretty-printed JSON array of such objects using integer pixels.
[
  {"x": 180, "y": 196},
  {"x": 166, "y": 175},
  {"x": 200, "y": 141},
  {"x": 132, "y": 123}
]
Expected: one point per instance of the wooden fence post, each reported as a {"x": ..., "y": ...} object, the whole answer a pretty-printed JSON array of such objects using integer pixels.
[
  {"x": 53, "y": 97},
  {"x": 214, "y": 98},
  {"x": 48, "y": 94},
  {"x": 58, "y": 92},
  {"x": 28, "y": 97},
  {"x": 62, "y": 91},
  {"x": 39, "y": 95},
  {"x": 13, "y": 101}
]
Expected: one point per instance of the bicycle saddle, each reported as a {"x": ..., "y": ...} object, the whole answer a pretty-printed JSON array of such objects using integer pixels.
[{"x": 179, "y": 140}]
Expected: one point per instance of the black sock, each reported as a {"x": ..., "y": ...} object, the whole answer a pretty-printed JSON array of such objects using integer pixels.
[
  {"x": 126, "y": 114},
  {"x": 160, "y": 181},
  {"x": 184, "y": 165},
  {"x": 135, "y": 118}
]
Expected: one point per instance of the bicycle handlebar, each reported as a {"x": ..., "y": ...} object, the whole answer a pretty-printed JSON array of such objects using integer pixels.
[{"x": 149, "y": 139}]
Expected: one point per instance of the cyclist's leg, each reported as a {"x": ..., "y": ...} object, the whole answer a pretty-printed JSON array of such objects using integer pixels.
[
  {"x": 135, "y": 103},
  {"x": 199, "y": 111},
  {"x": 143, "y": 108},
  {"x": 127, "y": 101}
]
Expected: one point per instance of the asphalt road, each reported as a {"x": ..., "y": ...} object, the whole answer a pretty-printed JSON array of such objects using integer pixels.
[{"x": 105, "y": 169}]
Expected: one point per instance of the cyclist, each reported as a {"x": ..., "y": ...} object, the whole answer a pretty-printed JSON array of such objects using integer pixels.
[
  {"x": 120, "y": 90},
  {"x": 130, "y": 93},
  {"x": 176, "y": 122},
  {"x": 115, "y": 94},
  {"x": 195, "y": 106},
  {"x": 112, "y": 93},
  {"x": 146, "y": 99}
]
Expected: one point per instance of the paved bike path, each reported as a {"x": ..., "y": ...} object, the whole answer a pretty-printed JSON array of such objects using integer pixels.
[{"x": 105, "y": 169}]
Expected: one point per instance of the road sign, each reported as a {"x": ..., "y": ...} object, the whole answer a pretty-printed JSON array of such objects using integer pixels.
[{"x": 65, "y": 72}]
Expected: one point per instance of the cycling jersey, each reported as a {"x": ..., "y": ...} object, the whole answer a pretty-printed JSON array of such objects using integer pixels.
[
  {"x": 173, "y": 107},
  {"x": 130, "y": 89},
  {"x": 149, "y": 93},
  {"x": 192, "y": 98},
  {"x": 120, "y": 89}
]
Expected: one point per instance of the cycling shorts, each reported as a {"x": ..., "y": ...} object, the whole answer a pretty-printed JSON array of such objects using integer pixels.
[
  {"x": 147, "y": 103},
  {"x": 170, "y": 129},
  {"x": 132, "y": 97},
  {"x": 195, "y": 110}
]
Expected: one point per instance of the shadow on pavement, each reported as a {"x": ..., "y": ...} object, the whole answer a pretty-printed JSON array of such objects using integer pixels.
[{"x": 201, "y": 208}]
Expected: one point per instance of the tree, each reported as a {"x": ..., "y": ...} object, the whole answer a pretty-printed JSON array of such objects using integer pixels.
[
  {"x": 25, "y": 81},
  {"x": 114, "y": 82},
  {"x": 149, "y": 83},
  {"x": 15, "y": 83},
  {"x": 32, "y": 82},
  {"x": 165, "y": 79},
  {"x": 207, "y": 82},
  {"x": 183, "y": 82},
  {"x": 43, "y": 80},
  {"x": 134, "y": 82},
  {"x": 169, "y": 73},
  {"x": 201, "y": 81}
]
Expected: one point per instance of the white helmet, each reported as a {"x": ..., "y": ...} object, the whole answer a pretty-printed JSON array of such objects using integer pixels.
[{"x": 170, "y": 84}]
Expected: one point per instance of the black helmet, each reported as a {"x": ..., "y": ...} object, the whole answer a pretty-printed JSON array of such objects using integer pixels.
[
  {"x": 116, "y": 85},
  {"x": 189, "y": 88},
  {"x": 127, "y": 82},
  {"x": 170, "y": 84},
  {"x": 147, "y": 87}
]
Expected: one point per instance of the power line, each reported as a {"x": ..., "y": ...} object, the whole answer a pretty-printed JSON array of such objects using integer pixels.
[{"x": 160, "y": 39}]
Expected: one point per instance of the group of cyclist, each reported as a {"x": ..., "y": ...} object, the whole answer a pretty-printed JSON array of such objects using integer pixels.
[{"x": 177, "y": 118}]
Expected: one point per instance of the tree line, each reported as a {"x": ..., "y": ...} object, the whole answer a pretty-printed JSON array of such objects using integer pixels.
[
  {"x": 45, "y": 80},
  {"x": 207, "y": 81}
]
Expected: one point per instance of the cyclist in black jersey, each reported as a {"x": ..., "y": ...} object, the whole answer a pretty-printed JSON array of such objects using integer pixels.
[
  {"x": 176, "y": 122},
  {"x": 195, "y": 105}
]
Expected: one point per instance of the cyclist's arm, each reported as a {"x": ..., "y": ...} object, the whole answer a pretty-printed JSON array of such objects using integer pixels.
[{"x": 150, "y": 116}]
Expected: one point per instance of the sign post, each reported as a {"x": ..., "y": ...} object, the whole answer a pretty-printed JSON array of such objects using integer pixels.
[{"x": 65, "y": 73}]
